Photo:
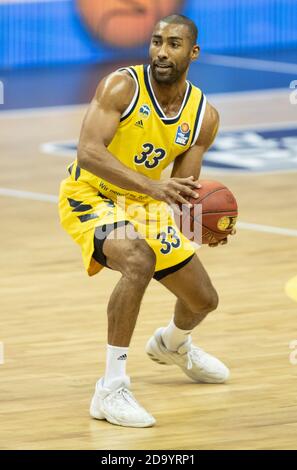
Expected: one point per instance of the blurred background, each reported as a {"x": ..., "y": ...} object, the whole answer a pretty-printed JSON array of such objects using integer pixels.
[
  {"x": 55, "y": 43},
  {"x": 52, "y": 55}
]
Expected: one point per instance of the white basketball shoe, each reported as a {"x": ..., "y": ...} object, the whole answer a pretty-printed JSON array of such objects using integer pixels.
[
  {"x": 196, "y": 363},
  {"x": 117, "y": 405}
]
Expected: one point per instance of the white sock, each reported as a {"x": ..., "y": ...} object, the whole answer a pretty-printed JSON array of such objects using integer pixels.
[
  {"x": 174, "y": 337},
  {"x": 116, "y": 359}
]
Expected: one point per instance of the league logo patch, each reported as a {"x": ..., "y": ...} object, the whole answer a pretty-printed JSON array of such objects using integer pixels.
[
  {"x": 144, "y": 111},
  {"x": 183, "y": 134}
]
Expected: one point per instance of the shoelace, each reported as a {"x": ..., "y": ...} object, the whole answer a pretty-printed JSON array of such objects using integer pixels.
[
  {"x": 192, "y": 353},
  {"x": 127, "y": 396}
]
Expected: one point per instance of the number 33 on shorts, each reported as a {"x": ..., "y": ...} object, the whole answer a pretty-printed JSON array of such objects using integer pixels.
[{"x": 169, "y": 240}]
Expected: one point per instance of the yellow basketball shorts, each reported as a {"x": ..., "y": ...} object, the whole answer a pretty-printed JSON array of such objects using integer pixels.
[{"x": 89, "y": 217}]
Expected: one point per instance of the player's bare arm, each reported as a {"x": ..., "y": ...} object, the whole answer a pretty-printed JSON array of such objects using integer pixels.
[{"x": 113, "y": 95}]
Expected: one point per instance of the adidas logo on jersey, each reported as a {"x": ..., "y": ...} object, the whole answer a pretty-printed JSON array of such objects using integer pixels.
[
  {"x": 139, "y": 123},
  {"x": 122, "y": 358}
]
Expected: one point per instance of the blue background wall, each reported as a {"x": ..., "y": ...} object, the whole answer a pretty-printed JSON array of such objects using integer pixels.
[{"x": 51, "y": 32}]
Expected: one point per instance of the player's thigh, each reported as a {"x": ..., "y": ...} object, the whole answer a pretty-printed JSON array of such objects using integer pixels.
[
  {"x": 192, "y": 285},
  {"x": 127, "y": 252}
]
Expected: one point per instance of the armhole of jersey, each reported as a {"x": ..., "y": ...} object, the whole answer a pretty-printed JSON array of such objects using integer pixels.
[
  {"x": 199, "y": 119},
  {"x": 134, "y": 100}
]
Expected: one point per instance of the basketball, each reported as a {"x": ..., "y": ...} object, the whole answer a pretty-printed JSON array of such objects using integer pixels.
[
  {"x": 125, "y": 23},
  {"x": 219, "y": 213}
]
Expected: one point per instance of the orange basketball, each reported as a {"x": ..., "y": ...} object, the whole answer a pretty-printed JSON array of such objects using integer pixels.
[
  {"x": 125, "y": 23},
  {"x": 218, "y": 217}
]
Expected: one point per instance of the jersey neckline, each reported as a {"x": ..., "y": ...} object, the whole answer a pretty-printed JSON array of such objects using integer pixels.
[{"x": 158, "y": 108}]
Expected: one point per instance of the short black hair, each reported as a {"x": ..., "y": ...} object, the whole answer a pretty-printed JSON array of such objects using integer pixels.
[{"x": 181, "y": 19}]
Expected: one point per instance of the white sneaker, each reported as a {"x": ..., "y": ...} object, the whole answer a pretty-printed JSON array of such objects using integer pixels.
[
  {"x": 117, "y": 405},
  {"x": 196, "y": 363}
]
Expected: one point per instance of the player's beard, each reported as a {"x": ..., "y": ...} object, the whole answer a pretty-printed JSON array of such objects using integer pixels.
[{"x": 173, "y": 74}]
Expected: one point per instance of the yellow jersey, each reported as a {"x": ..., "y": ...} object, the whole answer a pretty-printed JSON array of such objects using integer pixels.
[{"x": 146, "y": 140}]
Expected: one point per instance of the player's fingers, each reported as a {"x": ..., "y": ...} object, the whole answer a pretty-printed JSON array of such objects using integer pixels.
[
  {"x": 182, "y": 200},
  {"x": 188, "y": 181},
  {"x": 178, "y": 198},
  {"x": 223, "y": 242},
  {"x": 186, "y": 190},
  {"x": 233, "y": 231}
]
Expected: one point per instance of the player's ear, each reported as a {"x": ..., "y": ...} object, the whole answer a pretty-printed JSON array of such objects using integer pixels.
[{"x": 195, "y": 52}]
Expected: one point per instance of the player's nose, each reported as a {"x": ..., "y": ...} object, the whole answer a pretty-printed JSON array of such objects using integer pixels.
[{"x": 162, "y": 52}]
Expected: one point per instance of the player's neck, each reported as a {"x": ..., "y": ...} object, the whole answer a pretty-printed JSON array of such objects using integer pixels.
[{"x": 168, "y": 94}]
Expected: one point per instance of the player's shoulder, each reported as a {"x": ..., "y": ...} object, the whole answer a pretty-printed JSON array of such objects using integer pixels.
[
  {"x": 118, "y": 87},
  {"x": 209, "y": 127},
  {"x": 211, "y": 115},
  {"x": 210, "y": 119},
  {"x": 118, "y": 81}
]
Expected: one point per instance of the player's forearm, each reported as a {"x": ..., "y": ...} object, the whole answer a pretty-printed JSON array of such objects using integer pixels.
[
  {"x": 185, "y": 172},
  {"x": 103, "y": 164},
  {"x": 186, "y": 168}
]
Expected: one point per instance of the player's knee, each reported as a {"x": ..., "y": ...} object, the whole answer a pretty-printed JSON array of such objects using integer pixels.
[
  {"x": 210, "y": 300},
  {"x": 214, "y": 301},
  {"x": 140, "y": 262},
  {"x": 206, "y": 301}
]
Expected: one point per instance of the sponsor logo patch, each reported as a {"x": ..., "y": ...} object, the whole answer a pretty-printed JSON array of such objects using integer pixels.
[{"x": 144, "y": 111}]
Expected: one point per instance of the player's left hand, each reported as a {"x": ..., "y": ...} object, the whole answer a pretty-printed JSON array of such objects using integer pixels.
[{"x": 222, "y": 242}]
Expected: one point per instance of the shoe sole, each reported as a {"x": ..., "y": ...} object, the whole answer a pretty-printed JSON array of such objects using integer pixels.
[
  {"x": 104, "y": 416},
  {"x": 117, "y": 423}
]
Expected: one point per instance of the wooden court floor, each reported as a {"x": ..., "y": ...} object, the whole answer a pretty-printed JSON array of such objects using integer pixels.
[{"x": 53, "y": 321}]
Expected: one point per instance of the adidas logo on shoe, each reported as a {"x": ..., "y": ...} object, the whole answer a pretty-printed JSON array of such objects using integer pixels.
[{"x": 122, "y": 358}]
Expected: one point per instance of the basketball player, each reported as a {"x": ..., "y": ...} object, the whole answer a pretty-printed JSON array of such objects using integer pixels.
[{"x": 141, "y": 119}]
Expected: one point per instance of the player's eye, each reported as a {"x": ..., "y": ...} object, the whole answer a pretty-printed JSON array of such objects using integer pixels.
[{"x": 175, "y": 45}]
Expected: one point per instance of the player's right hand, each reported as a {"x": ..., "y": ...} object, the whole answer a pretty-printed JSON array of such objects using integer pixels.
[
  {"x": 222, "y": 242},
  {"x": 174, "y": 190}
]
